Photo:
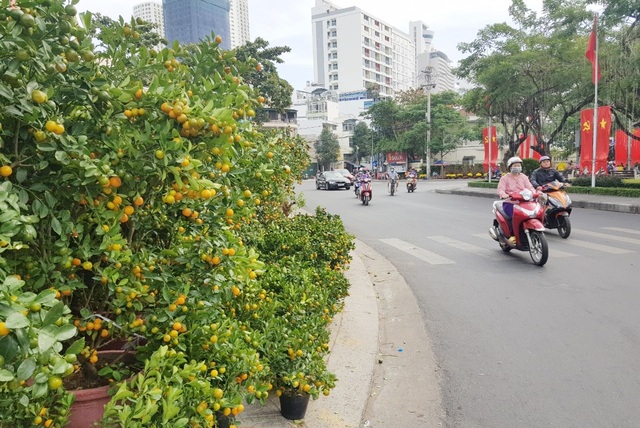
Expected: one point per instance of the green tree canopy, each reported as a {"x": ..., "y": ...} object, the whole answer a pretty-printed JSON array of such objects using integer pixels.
[
  {"x": 327, "y": 149},
  {"x": 533, "y": 77},
  {"x": 264, "y": 78}
]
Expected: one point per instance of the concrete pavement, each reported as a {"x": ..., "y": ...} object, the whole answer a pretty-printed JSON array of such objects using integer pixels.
[{"x": 380, "y": 351}]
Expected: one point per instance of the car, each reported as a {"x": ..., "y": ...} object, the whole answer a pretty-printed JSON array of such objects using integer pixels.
[
  {"x": 332, "y": 180},
  {"x": 347, "y": 174}
]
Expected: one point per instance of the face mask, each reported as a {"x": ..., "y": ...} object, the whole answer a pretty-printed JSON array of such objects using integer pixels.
[{"x": 516, "y": 170}]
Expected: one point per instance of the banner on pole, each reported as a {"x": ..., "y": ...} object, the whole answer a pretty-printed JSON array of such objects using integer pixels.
[
  {"x": 494, "y": 148},
  {"x": 602, "y": 130}
]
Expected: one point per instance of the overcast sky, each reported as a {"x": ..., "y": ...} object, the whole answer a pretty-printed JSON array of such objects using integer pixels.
[{"x": 288, "y": 23}]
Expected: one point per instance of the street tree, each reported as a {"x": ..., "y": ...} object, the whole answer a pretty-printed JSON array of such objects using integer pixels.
[
  {"x": 327, "y": 149},
  {"x": 532, "y": 77},
  {"x": 402, "y": 124},
  {"x": 264, "y": 77},
  {"x": 362, "y": 140}
]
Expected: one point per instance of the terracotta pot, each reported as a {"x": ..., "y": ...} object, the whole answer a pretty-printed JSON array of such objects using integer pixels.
[
  {"x": 293, "y": 406},
  {"x": 88, "y": 406}
]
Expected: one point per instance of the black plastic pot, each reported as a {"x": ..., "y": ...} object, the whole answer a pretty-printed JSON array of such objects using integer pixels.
[{"x": 293, "y": 407}]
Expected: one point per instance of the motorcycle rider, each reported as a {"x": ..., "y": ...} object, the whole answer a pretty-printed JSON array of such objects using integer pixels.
[
  {"x": 361, "y": 176},
  {"x": 513, "y": 182},
  {"x": 392, "y": 175},
  {"x": 545, "y": 174}
]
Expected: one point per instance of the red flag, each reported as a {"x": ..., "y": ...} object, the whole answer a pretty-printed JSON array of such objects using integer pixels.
[
  {"x": 534, "y": 153},
  {"x": 524, "y": 149},
  {"x": 621, "y": 147},
  {"x": 603, "y": 135},
  {"x": 586, "y": 138},
  {"x": 592, "y": 54},
  {"x": 635, "y": 148},
  {"x": 494, "y": 147}
]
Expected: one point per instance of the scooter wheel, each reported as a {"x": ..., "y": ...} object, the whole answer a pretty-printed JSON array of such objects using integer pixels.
[
  {"x": 564, "y": 227},
  {"x": 538, "y": 247}
]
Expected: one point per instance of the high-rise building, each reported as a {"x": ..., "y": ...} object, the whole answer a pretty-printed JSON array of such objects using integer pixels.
[
  {"x": 354, "y": 51},
  {"x": 190, "y": 21},
  {"x": 151, "y": 11},
  {"x": 432, "y": 65},
  {"x": 239, "y": 22}
]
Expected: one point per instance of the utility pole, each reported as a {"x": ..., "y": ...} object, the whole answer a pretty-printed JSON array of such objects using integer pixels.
[{"x": 429, "y": 78}]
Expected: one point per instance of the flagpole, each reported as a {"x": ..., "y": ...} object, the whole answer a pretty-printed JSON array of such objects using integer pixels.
[
  {"x": 595, "y": 111},
  {"x": 489, "y": 133}
]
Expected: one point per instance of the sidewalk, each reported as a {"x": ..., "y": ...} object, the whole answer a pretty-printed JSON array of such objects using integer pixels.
[{"x": 596, "y": 202}]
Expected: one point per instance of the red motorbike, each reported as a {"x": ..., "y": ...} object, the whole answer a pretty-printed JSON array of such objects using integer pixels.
[
  {"x": 412, "y": 183},
  {"x": 525, "y": 225},
  {"x": 365, "y": 191}
]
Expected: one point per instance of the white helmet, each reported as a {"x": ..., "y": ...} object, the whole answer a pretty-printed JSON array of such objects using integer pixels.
[{"x": 513, "y": 160}]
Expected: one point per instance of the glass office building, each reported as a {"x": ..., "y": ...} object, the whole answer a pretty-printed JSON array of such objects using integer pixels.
[{"x": 189, "y": 21}]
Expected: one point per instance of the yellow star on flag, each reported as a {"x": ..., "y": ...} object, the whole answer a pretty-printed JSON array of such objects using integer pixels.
[{"x": 603, "y": 124}]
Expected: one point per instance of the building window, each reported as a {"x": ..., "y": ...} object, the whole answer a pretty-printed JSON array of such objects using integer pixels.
[
  {"x": 334, "y": 33},
  {"x": 366, "y": 18}
]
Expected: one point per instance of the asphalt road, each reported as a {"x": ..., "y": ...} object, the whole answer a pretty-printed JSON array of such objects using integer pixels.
[{"x": 518, "y": 345}]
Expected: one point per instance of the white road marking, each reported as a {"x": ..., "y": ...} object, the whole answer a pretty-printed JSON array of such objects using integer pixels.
[
  {"x": 420, "y": 253},
  {"x": 594, "y": 246},
  {"x": 552, "y": 251},
  {"x": 464, "y": 246},
  {"x": 609, "y": 236},
  {"x": 620, "y": 229}
]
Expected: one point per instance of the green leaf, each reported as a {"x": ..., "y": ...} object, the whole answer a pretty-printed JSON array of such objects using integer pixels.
[
  {"x": 53, "y": 314},
  {"x": 56, "y": 226},
  {"x": 6, "y": 375},
  {"x": 26, "y": 369},
  {"x": 40, "y": 390},
  {"x": 46, "y": 340},
  {"x": 65, "y": 332},
  {"x": 76, "y": 347},
  {"x": 16, "y": 320},
  {"x": 45, "y": 297},
  {"x": 21, "y": 175}
]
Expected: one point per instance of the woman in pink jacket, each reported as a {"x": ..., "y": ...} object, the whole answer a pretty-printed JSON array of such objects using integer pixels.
[{"x": 513, "y": 182}]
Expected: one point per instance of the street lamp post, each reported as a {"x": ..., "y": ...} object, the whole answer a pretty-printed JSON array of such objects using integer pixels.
[{"x": 428, "y": 77}]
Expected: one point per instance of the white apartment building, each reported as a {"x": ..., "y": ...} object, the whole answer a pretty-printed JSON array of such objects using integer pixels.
[
  {"x": 444, "y": 78},
  {"x": 353, "y": 50},
  {"x": 239, "y": 22},
  {"x": 429, "y": 60},
  {"x": 151, "y": 11}
]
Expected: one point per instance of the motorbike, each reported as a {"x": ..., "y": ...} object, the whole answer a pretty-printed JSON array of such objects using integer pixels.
[
  {"x": 557, "y": 205},
  {"x": 366, "y": 191},
  {"x": 392, "y": 186},
  {"x": 526, "y": 221},
  {"x": 412, "y": 183},
  {"x": 356, "y": 188}
]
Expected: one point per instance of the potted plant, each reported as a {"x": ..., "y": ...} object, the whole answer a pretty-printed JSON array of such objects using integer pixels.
[
  {"x": 134, "y": 201},
  {"x": 307, "y": 288}
]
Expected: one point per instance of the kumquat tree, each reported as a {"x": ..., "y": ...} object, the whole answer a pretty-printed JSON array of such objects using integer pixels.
[{"x": 135, "y": 194}]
